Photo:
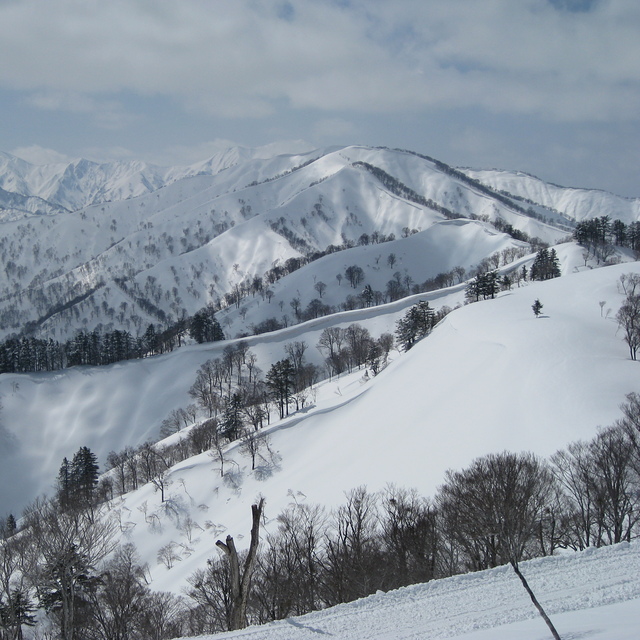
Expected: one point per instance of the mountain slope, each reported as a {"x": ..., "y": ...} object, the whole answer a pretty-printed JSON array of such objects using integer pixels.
[
  {"x": 82, "y": 183},
  {"x": 490, "y": 377},
  {"x": 195, "y": 240}
]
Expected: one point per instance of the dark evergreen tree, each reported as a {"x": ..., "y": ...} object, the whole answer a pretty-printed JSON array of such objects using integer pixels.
[
  {"x": 545, "y": 266},
  {"x": 204, "y": 327},
  {"x": 490, "y": 284},
  {"x": 64, "y": 484},
  {"x": 80, "y": 477},
  {"x": 619, "y": 232},
  {"x": 473, "y": 290},
  {"x": 537, "y": 307},
  {"x": 280, "y": 381},
  {"x": 150, "y": 341},
  {"x": 232, "y": 421},
  {"x": 18, "y": 610},
  {"x": 10, "y": 526},
  {"x": 415, "y": 324}
]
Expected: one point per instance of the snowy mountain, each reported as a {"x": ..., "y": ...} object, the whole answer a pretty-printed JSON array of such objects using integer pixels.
[
  {"x": 81, "y": 183},
  {"x": 491, "y": 376},
  {"x": 577, "y": 204},
  {"x": 273, "y": 241},
  {"x": 173, "y": 249}
]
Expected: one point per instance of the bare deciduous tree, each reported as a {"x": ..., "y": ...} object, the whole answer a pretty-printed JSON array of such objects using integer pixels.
[
  {"x": 240, "y": 581},
  {"x": 69, "y": 546},
  {"x": 495, "y": 506}
]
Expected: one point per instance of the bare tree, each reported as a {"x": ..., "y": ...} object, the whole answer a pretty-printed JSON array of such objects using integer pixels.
[
  {"x": 69, "y": 546},
  {"x": 240, "y": 582},
  {"x": 154, "y": 464},
  {"x": 252, "y": 443},
  {"x": 211, "y": 590},
  {"x": 295, "y": 352},
  {"x": 121, "y": 597},
  {"x": 616, "y": 484},
  {"x": 289, "y": 571},
  {"x": 410, "y": 536},
  {"x": 495, "y": 506},
  {"x": 628, "y": 318},
  {"x": 207, "y": 387},
  {"x": 630, "y": 424},
  {"x": 353, "y": 558},
  {"x": 573, "y": 469},
  {"x": 17, "y": 562},
  {"x": 320, "y": 287}
]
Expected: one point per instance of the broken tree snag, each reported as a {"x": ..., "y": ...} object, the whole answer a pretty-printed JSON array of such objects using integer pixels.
[{"x": 241, "y": 584}]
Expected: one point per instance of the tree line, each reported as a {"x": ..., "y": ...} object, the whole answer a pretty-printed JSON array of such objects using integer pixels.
[
  {"x": 600, "y": 235},
  {"x": 233, "y": 399},
  {"x": 502, "y": 509},
  {"x": 30, "y": 354}
]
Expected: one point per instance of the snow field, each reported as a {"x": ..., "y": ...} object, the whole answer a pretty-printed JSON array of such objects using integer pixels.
[{"x": 590, "y": 595}]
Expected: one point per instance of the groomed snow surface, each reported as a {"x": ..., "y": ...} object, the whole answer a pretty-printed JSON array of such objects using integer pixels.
[{"x": 592, "y": 595}]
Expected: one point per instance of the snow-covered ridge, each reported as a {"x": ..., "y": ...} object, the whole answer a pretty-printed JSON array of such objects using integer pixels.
[
  {"x": 81, "y": 182},
  {"x": 578, "y": 204},
  {"x": 460, "y": 393}
]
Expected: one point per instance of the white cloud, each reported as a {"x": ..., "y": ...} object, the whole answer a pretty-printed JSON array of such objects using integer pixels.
[
  {"x": 40, "y": 155},
  {"x": 246, "y": 58},
  {"x": 107, "y": 114}
]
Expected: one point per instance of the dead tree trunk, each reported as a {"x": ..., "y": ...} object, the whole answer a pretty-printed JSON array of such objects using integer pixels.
[
  {"x": 537, "y": 605},
  {"x": 241, "y": 584}
]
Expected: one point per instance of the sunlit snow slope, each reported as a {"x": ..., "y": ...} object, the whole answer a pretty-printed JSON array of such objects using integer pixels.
[{"x": 490, "y": 377}]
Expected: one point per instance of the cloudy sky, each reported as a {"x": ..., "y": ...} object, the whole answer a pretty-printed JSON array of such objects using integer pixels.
[{"x": 551, "y": 87}]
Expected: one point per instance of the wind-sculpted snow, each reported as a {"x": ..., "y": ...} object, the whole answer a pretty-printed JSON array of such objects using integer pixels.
[{"x": 590, "y": 595}]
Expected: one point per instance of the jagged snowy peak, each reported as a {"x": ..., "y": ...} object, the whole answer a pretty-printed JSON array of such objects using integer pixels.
[
  {"x": 578, "y": 204},
  {"x": 82, "y": 182},
  {"x": 79, "y": 183},
  {"x": 238, "y": 155}
]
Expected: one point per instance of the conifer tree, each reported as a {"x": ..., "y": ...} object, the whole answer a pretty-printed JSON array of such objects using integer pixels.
[
  {"x": 64, "y": 484},
  {"x": 84, "y": 472},
  {"x": 280, "y": 381},
  {"x": 232, "y": 423},
  {"x": 416, "y": 324},
  {"x": 537, "y": 307},
  {"x": 204, "y": 327}
]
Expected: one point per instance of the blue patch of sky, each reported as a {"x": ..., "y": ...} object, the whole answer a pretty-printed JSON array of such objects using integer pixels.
[
  {"x": 286, "y": 11},
  {"x": 574, "y": 6}
]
